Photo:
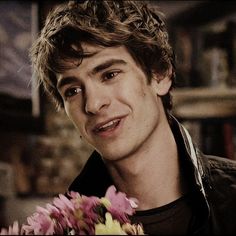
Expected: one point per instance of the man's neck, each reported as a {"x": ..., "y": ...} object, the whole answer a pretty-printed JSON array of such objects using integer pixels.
[{"x": 152, "y": 175}]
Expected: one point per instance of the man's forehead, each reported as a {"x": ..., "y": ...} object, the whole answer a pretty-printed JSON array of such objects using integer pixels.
[
  {"x": 97, "y": 58},
  {"x": 88, "y": 48}
]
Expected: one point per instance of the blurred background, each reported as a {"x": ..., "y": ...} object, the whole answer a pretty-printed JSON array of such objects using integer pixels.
[{"x": 41, "y": 152}]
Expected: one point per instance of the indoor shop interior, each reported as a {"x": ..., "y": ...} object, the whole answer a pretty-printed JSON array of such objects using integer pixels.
[{"x": 40, "y": 150}]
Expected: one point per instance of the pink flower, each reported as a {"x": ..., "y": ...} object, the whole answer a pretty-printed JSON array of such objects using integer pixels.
[
  {"x": 74, "y": 195},
  {"x": 63, "y": 203},
  {"x": 79, "y": 215},
  {"x": 12, "y": 230},
  {"x": 85, "y": 213},
  {"x": 67, "y": 210},
  {"x": 88, "y": 206},
  {"x": 121, "y": 206},
  {"x": 39, "y": 223}
]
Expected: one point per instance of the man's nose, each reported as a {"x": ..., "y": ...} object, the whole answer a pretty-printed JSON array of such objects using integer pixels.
[{"x": 96, "y": 99}]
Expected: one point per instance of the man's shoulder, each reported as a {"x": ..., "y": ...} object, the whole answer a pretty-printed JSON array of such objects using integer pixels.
[
  {"x": 222, "y": 173},
  {"x": 221, "y": 163},
  {"x": 222, "y": 193}
]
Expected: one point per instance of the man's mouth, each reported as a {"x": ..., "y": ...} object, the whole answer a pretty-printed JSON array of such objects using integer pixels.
[{"x": 111, "y": 125}]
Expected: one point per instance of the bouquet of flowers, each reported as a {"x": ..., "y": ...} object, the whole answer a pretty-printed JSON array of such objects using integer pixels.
[{"x": 75, "y": 214}]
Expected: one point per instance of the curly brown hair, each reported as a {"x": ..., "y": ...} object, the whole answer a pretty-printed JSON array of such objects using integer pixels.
[{"x": 106, "y": 23}]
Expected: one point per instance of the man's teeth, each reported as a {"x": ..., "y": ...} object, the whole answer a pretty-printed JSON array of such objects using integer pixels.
[{"x": 108, "y": 125}]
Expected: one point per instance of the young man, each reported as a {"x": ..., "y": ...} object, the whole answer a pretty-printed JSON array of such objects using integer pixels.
[{"x": 110, "y": 66}]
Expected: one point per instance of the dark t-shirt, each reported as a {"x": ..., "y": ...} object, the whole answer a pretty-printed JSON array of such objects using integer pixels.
[{"x": 175, "y": 218}]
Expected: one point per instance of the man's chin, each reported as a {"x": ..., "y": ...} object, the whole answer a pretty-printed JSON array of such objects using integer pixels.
[{"x": 111, "y": 156}]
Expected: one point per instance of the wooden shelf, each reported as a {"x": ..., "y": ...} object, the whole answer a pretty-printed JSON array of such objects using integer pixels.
[
  {"x": 205, "y": 103},
  {"x": 182, "y": 94}
]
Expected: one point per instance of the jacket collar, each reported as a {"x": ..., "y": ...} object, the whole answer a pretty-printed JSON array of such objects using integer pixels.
[
  {"x": 196, "y": 159},
  {"x": 191, "y": 151}
]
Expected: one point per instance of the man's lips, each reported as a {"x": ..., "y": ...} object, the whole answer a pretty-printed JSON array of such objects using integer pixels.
[{"x": 107, "y": 125}]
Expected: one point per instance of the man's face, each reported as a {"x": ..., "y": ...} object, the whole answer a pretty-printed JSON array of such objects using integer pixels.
[{"x": 109, "y": 100}]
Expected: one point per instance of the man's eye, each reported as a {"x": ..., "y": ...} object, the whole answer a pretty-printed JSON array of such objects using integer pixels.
[
  {"x": 72, "y": 92},
  {"x": 110, "y": 75}
]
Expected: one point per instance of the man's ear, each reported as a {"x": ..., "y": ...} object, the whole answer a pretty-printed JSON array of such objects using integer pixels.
[{"x": 162, "y": 82}]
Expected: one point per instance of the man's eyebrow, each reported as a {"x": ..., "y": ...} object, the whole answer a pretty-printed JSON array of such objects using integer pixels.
[
  {"x": 64, "y": 81},
  {"x": 71, "y": 79},
  {"x": 107, "y": 64}
]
